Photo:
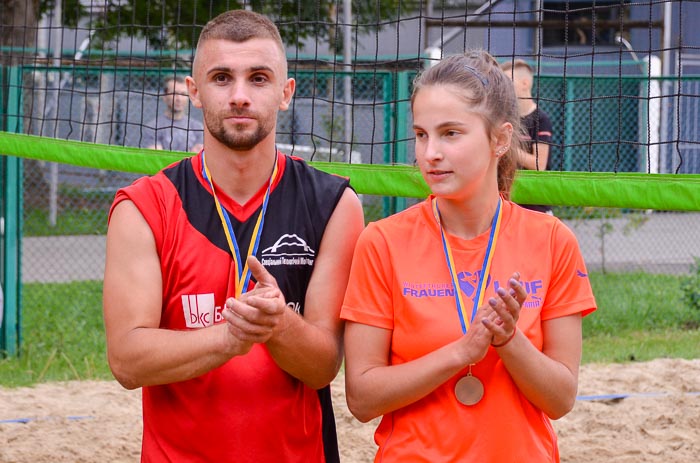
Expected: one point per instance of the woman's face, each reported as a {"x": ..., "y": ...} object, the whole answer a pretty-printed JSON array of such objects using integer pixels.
[{"x": 453, "y": 149}]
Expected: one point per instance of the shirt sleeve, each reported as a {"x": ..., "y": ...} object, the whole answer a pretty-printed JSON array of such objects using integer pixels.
[
  {"x": 570, "y": 289},
  {"x": 368, "y": 299},
  {"x": 543, "y": 130}
]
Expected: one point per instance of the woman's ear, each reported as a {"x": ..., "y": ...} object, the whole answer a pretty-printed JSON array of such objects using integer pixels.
[{"x": 502, "y": 138}]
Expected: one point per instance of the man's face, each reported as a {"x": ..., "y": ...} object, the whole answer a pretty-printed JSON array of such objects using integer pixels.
[
  {"x": 522, "y": 82},
  {"x": 240, "y": 87},
  {"x": 176, "y": 97}
]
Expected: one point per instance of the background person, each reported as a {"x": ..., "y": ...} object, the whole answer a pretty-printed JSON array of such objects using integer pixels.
[
  {"x": 173, "y": 129},
  {"x": 440, "y": 340},
  {"x": 536, "y": 125},
  {"x": 232, "y": 369}
]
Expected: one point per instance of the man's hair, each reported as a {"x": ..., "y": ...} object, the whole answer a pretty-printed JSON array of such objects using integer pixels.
[
  {"x": 511, "y": 66},
  {"x": 241, "y": 26}
]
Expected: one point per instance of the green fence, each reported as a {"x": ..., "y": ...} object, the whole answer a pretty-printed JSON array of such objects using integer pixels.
[{"x": 599, "y": 125}]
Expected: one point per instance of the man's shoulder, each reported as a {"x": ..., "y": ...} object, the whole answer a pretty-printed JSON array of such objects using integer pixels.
[
  {"x": 542, "y": 114},
  {"x": 302, "y": 167}
]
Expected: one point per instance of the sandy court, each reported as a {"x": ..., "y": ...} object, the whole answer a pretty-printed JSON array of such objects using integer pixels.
[{"x": 658, "y": 420}]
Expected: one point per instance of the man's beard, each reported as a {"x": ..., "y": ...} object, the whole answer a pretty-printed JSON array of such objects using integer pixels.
[{"x": 235, "y": 140}]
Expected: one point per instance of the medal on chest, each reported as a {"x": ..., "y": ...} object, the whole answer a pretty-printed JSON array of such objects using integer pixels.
[
  {"x": 242, "y": 272},
  {"x": 469, "y": 390}
]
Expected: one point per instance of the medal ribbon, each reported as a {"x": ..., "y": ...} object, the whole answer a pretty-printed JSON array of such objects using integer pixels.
[
  {"x": 465, "y": 321},
  {"x": 242, "y": 272}
]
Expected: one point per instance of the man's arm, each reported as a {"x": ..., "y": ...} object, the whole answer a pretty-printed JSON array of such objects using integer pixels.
[
  {"x": 140, "y": 353},
  {"x": 310, "y": 347},
  {"x": 537, "y": 160}
]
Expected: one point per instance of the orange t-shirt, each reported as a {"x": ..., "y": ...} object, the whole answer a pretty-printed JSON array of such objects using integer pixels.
[{"x": 400, "y": 281}]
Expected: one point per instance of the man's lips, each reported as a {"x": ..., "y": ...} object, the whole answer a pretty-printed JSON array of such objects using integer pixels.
[{"x": 240, "y": 117}]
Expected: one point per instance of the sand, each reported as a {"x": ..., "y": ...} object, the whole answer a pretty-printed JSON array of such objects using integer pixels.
[{"x": 653, "y": 415}]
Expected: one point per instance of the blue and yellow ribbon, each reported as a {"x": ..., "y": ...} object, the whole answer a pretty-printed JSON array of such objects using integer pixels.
[
  {"x": 464, "y": 319},
  {"x": 242, "y": 272}
]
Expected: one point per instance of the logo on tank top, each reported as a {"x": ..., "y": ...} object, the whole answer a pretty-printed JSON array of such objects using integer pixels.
[
  {"x": 288, "y": 250},
  {"x": 200, "y": 310}
]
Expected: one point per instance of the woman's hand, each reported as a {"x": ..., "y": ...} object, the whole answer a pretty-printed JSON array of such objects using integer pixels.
[{"x": 502, "y": 319}]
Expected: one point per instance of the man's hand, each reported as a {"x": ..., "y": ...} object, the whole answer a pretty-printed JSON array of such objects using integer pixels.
[{"x": 259, "y": 313}]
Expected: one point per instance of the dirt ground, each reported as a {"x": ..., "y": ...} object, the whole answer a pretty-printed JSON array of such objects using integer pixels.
[{"x": 652, "y": 416}]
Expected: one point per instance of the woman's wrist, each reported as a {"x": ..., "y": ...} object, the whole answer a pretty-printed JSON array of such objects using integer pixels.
[{"x": 507, "y": 340}]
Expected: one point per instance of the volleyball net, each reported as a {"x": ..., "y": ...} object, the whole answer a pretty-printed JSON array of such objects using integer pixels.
[{"x": 619, "y": 80}]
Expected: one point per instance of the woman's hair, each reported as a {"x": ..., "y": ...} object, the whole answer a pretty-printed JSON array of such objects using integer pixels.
[{"x": 479, "y": 80}]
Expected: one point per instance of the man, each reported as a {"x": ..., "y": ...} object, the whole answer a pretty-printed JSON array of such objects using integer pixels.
[
  {"x": 230, "y": 375},
  {"x": 536, "y": 125},
  {"x": 173, "y": 129}
]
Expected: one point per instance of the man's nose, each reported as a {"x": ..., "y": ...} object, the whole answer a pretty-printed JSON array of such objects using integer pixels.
[{"x": 239, "y": 95}]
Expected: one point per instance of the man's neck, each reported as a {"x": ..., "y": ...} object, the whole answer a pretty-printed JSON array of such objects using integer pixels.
[
  {"x": 526, "y": 106},
  {"x": 240, "y": 174}
]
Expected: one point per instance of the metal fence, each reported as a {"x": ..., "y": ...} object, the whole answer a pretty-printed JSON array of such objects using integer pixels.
[{"x": 600, "y": 124}]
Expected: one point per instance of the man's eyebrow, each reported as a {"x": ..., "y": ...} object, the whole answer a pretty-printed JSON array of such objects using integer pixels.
[{"x": 228, "y": 70}]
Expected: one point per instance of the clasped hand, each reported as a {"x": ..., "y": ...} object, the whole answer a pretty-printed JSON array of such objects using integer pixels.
[
  {"x": 495, "y": 322},
  {"x": 258, "y": 314},
  {"x": 501, "y": 316}
]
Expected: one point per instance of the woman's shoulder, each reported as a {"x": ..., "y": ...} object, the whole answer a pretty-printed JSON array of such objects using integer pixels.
[{"x": 539, "y": 224}]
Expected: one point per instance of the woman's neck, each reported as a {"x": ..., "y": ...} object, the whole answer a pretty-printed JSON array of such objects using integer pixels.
[{"x": 467, "y": 220}]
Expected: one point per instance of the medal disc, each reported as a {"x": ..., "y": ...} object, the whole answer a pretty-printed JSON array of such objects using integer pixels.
[{"x": 469, "y": 390}]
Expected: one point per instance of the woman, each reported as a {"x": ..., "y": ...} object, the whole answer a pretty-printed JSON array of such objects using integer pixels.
[{"x": 464, "y": 312}]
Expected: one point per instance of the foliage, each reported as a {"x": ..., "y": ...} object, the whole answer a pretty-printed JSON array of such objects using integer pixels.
[
  {"x": 73, "y": 10},
  {"x": 690, "y": 286},
  {"x": 168, "y": 24}
]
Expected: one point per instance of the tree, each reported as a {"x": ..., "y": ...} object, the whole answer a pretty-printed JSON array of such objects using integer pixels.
[{"x": 168, "y": 24}]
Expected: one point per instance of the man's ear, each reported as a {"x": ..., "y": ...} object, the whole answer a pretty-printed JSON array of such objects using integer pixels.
[
  {"x": 193, "y": 92},
  {"x": 287, "y": 93}
]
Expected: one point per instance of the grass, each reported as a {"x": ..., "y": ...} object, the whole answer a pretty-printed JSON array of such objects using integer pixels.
[
  {"x": 639, "y": 317},
  {"x": 68, "y": 222},
  {"x": 62, "y": 335}
]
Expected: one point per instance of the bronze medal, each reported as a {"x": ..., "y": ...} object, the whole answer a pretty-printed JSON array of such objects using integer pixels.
[{"x": 469, "y": 390}]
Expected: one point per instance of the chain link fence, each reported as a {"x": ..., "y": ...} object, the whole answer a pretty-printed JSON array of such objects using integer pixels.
[{"x": 66, "y": 207}]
